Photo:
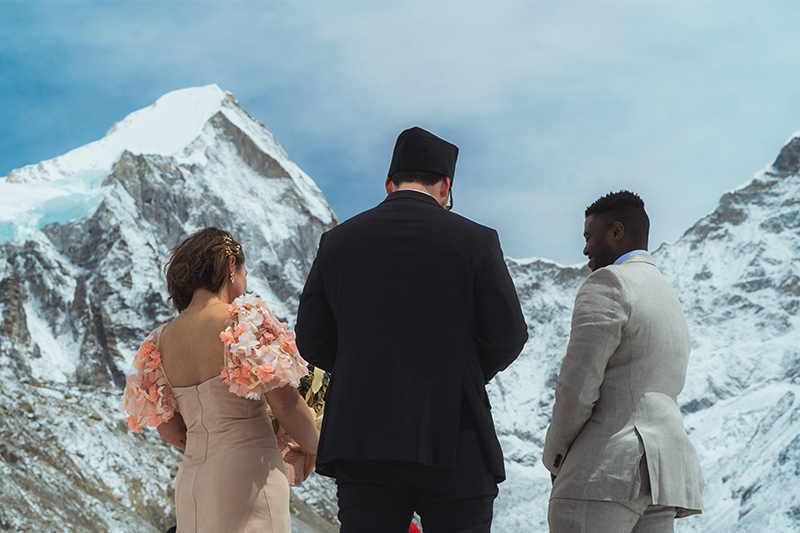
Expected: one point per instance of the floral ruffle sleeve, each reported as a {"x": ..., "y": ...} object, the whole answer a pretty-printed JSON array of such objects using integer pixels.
[
  {"x": 260, "y": 352},
  {"x": 148, "y": 400}
]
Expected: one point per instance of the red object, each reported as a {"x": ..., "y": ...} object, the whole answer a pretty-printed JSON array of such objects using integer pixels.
[{"x": 413, "y": 528}]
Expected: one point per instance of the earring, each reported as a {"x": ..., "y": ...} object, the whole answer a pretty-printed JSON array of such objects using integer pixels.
[{"x": 231, "y": 276}]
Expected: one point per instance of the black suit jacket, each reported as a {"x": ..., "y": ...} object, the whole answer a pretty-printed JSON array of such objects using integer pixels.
[{"x": 412, "y": 310}]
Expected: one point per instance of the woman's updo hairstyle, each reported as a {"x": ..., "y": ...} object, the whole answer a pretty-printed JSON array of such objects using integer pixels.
[{"x": 201, "y": 262}]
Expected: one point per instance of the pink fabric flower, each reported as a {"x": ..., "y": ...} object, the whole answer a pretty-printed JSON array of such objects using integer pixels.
[
  {"x": 251, "y": 319},
  {"x": 143, "y": 354},
  {"x": 247, "y": 341},
  {"x": 147, "y": 398},
  {"x": 155, "y": 359},
  {"x": 154, "y": 420},
  {"x": 226, "y": 337},
  {"x": 152, "y": 394},
  {"x": 265, "y": 373},
  {"x": 261, "y": 354},
  {"x": 250, "y": 300},
  {"x": 169, "y": 403},
  {"x": 137, "y": 379},
  {"x": 239, "y": 389},
  {"x": 157, "y": 377},
  {"x": 133, "y": 426},
  {"x": 147, "y": 349},
  {"x": 290, "y": 346}
]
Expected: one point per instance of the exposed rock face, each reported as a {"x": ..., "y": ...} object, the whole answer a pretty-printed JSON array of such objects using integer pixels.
[
  {"x": 738, "y": 287},
  {"x": 79, "y": 295},
  {"x": 788, "y": 161},
  {"x": 736, "y": 273},
  {"x": 82, "y": 284}
]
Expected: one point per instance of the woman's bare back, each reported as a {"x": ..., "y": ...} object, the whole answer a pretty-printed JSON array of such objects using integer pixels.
[{"x": 191, "y": 349}]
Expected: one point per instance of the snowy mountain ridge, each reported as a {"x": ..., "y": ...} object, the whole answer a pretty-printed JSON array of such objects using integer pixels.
[
  {"x": 84, "y": 244},
  {"x": 69, "y": 187},
  {"x": 736, "y": 273},
  {"x": 84, "y": 238},
  {"x": 167, "y": 127}
]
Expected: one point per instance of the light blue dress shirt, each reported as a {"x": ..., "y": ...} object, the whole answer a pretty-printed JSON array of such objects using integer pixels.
[{"x": 634, "y": 252}]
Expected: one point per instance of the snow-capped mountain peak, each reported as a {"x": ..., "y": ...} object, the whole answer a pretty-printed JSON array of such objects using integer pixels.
[
  {"x": 84, "y": 238},
  {"x": 166, "y": 127},
  {"x": 184, "y": 127},
  {"x": 788, "y": 161}
]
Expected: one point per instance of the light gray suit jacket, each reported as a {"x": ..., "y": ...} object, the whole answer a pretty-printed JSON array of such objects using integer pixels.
[{"x": 616, "y": 399}]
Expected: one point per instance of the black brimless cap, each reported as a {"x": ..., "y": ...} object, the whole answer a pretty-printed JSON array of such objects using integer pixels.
[{"x": 420, "y": 150}]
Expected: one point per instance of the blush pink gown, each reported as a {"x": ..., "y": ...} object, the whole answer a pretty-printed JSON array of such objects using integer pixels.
[{"x": 231, "y": 478}]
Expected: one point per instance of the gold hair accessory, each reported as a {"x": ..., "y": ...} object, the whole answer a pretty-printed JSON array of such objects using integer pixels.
[{"x": 230, "y": 249}]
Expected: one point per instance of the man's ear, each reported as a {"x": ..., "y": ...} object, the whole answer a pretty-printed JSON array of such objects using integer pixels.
[
  {"x": 389, "y": 189},
  {"x": 617, "y": 231},
  {"x": 445, "y": 187}
]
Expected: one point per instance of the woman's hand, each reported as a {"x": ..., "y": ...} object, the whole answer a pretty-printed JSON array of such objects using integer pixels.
[
  {"x": 311, "y": 459},
  {"x": 174, "y": 431}
]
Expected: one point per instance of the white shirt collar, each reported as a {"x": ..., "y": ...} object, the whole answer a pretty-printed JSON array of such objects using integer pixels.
[
  {"x": 634, "y": 252},
  {"x": 417, "y": 190}
]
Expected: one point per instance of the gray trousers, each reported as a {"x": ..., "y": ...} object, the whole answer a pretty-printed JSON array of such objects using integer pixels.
[{"x": 592, "y": 516}]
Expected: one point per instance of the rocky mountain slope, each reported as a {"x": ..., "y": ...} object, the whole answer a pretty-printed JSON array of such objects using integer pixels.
[
  {"x": 736, "y": 272},
  {"x": 84, "y": 237}
]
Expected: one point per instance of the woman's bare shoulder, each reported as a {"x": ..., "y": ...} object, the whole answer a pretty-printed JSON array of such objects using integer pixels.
[
  {"x": 215, "y": 316},
  {"x": 206, "y": 323},
  {"x": 194, "y": 351}
]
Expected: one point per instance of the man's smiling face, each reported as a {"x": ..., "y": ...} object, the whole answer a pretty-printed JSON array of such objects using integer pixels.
[{"x": 598, "y": 242}]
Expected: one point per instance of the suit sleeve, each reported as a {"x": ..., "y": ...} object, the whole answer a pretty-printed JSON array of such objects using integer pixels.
[
  {"x": 601, "y": 311},
  {"x": 502, "y": 331},
  {"x": 316, "y": 332}
]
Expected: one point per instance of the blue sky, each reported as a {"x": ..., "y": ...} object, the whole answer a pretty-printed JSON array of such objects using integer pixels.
[{"x": 552, "y": 104}]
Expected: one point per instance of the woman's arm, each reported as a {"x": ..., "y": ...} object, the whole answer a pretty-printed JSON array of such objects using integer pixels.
[
  {"x": 295, "y": 416},
  {"x": 174, "y": 431}
]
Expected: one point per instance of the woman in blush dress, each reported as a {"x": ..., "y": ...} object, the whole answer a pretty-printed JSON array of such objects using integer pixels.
[{"x": 205, "y": 381}]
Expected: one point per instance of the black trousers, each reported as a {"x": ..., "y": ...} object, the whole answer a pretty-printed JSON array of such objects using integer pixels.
[{"x": 381, "y": 496}]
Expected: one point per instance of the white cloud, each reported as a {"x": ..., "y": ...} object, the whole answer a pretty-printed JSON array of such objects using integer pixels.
[{"x": 552, "y": 103}]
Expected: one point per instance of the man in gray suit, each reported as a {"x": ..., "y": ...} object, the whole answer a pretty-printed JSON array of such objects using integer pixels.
[{"x": 617, "y": 450}]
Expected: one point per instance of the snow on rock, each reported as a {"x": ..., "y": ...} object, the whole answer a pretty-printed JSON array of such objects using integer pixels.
[
  {"x": 736, "y": 273},
  {"x": 164, "y": 128},
  {"x": 178, "y": 127},
  {"x": 84, "y": 239}
]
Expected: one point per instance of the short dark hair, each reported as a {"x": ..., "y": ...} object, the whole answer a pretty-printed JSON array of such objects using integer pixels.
[
  {"x": 625, "y": 207},
  {"x": 417, "y": 176},
  {"x": 200, "y": 262}
]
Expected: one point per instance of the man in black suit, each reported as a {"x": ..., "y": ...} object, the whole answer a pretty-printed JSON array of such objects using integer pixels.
[{"x": 413, "y": 311}]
